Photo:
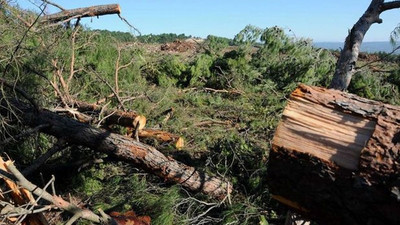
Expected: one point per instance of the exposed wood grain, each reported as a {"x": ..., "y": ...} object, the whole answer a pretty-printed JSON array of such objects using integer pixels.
[
  {"x": 162, "y": 136},
  {"x": 337, "y": 155},
  {"x": 325, "y": 133}
]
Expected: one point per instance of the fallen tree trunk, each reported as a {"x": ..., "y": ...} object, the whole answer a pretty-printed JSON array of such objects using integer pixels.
[
  {"x": 336, "y": 157},
  {"x": 82, "y": 12},
  {"x": 123, "y": 148}
]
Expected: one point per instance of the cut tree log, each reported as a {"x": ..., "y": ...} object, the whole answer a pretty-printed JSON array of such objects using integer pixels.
[
  {"x": 162, "y": 136},
  {"x": 121, "y": 147},
  {"x": 126, "y": 119},
  {"x": 335, "y": 158},
  {"x": 66, "y": 15}
]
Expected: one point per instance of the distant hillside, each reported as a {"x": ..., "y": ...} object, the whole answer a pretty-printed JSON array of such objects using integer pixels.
[{"x": 370, "y": 47}]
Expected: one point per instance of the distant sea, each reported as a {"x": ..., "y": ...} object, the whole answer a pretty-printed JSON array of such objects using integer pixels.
[{"x": 370, "y": 47}]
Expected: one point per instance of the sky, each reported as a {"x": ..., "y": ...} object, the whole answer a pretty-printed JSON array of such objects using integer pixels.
[{"x": 322, "y": 21}]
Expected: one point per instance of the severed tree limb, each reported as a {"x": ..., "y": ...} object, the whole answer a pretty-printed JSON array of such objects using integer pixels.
[
  {"x": 119, "y": 117},
  {"x": 66, "y": 15},
  {"x": 125, "y": 149},
  {"x": 19, "y": 179},
  {"x": 19, "y": 205},
  {"x": 162, "y": 136},
  {"x": 126, "y": 119},
  {"x": 335, "y": 158}
]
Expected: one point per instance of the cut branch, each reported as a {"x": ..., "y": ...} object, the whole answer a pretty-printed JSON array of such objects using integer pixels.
[
  {"x": 119, "y": 117},
  {"x": 162, "y": 136},
  {"x": 81, "y": 13},
  {"x": 57, "y": 201}
]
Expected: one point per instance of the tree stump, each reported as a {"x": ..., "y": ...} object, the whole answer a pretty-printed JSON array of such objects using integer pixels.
[{"x": 335, "y": 158}]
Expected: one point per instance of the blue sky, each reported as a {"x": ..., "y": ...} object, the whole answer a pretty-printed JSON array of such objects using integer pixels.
[{"x": 316, "y": 19}]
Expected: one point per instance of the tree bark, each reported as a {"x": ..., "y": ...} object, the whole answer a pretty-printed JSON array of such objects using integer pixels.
[
  {"x": 346, "y": 64},
  {"x": 82, "y": 12},
  {"x": 123, "y": 148},
  {"x": 118, "y": 117},
  {"x": 335, "y": 158}
]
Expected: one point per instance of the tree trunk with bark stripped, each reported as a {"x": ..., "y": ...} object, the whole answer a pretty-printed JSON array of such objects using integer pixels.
[{"x": 336, "y": 157}]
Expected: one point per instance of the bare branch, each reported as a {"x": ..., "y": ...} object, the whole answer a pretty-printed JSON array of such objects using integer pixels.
[
  {"x": 54, "y": 4},
  {"x": 112, "y": 89},
  {"x": 116, "y": 75},
  {"x": 380, "y": 59},
  {"x": 57, "y": 201},
  {"x": 72, "y": 64},
  {"x": 130, "y": 25},
  {"x": 390, "y": 5},
  {"x": 117, "y": 70}
]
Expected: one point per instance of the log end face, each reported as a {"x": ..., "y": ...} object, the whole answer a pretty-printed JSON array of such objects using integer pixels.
[
  {"x": 180, "y": 143},
  {"x": 117, "y": 9},
  {"x": 325, "y": 133}
]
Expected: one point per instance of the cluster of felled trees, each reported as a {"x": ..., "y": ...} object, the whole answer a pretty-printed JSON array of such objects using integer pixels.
[
  {"x": 334, "y": 157},
  {"x": 74, "y": 127}
]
